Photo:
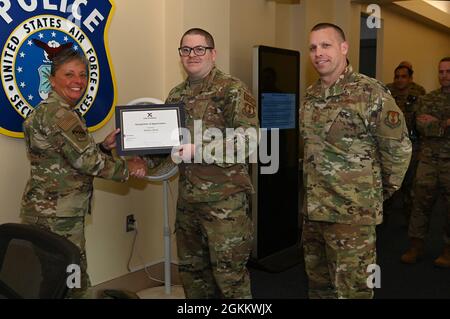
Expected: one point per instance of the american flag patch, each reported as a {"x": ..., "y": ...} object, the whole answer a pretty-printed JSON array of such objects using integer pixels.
[{"x": 67, "y": 122}]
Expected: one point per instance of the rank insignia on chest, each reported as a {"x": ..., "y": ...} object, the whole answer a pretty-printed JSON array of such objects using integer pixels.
[
  {"x": 79, "y": 133},
  {"x": 392, "y": 119}
]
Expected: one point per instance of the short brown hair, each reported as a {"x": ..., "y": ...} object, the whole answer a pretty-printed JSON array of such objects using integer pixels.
[
  {"x": 446, "y": 59},
  {"x": 410, "y": 71},
  {"x": 208, "y": 37},
  {"x": 326, "y": 25},
  {"x": 65, "y": 56}
]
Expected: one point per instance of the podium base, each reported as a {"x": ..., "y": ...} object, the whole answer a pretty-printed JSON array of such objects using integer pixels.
[{"x": 176, "y": 292}]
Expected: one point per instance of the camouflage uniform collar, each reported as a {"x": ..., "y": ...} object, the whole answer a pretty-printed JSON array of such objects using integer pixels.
[
  {"x": 438, "y": 92},
  {"x": 338, "y": 87},
  {"x": 206, "y": 83},
  {"x": 55, "y": 97},
  {"x": 441, "y": 90}
]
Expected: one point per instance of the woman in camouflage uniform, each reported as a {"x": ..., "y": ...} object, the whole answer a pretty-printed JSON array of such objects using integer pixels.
[{"x": 65, "y": 158}]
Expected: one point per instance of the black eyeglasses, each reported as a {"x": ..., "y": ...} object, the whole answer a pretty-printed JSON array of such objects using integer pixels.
[{"x": 198, "y": 50}]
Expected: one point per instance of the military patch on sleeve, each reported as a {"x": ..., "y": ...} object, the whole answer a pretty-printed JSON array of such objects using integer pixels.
[
  {"x": 79, "y": 133},
  {"x": 66, "y": 121},
  {"x": 392, "y": 119},
  {"x": 74, "y": 132},
  {"x": 249, "y": 110},
  {"x": 248, "y": 98}
]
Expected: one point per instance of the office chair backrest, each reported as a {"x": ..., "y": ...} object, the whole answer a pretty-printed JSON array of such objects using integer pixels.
[{"x": 34, "y": 261}]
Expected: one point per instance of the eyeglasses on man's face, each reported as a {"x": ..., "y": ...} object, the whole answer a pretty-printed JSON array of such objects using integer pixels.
[{"x": 198, "y": 50}]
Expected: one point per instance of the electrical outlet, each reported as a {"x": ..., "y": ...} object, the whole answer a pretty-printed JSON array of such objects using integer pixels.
[{"x": 130, "y": 223}]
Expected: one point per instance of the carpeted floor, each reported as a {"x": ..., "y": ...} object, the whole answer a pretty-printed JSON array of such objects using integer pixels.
[{"x": 398, "y": 281}]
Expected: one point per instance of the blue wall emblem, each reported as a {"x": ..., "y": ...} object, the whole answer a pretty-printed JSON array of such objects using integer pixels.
[{"x": 28, "y": 26}]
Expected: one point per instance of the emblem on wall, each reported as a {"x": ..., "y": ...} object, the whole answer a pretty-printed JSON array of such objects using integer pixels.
[{"x": 30, "y": 26}]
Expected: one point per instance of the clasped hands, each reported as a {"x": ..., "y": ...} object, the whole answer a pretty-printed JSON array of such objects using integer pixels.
[{"x": 136, "y": 165}]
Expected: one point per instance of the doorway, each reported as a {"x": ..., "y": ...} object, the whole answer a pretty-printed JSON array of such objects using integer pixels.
[{"x": 367, "y": 48}]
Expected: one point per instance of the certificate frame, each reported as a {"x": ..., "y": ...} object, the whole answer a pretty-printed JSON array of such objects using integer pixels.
[{"x": 123, "y": 112}]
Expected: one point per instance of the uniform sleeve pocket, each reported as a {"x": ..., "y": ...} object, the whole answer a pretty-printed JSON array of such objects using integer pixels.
[{"x": 74, "y": 132}]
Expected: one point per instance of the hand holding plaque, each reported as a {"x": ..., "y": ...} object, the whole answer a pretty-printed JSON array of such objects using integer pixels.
[{"x": 110, "y": 141}]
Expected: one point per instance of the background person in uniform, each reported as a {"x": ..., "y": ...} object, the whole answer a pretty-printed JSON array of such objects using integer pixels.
[
  {"x": 433, "y": 170},
  {"x": 213, "y": 229},
  {"x": 402, "y": 89},
  {"x": 406, "y": 95},
  {"x": 65, "y": 158},
  {"x": 414, "y": 88},
  {"x": 356, "y": 153}
]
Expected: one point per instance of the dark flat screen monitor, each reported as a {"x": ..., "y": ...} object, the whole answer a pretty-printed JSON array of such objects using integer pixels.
[{"x": 277, "y": 89}]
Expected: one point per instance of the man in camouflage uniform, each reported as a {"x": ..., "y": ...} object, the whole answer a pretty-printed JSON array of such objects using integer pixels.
[
  {"x": 213, "y": 228},
  {"x": 356, "y": 153},
  {"x": 433, "y": 171},
  {"x": 406, "y": 93},
  {"x": 64, "y": 160},
  {"x": 412, "y": 86}
]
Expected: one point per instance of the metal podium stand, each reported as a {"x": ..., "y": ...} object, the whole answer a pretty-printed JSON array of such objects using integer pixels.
[{"x": 162, "y": 173}]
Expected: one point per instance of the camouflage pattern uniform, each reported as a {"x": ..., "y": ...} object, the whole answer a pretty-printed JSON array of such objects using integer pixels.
[
  {"x": 433, "y": 171},
  {"x": 417, "y": 89},
  {"x": 414, "y": 89},
  {"x": 408, "y": 104},
  {"x": 356, "y": 153},
  {"x": 213, "y": 227},
  {"x": 64, "y": 160}
]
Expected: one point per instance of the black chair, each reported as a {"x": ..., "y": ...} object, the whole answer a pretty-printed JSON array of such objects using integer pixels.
[{"x": 34, "y": 261}]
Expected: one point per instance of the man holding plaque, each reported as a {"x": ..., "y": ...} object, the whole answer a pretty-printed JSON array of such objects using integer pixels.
[{"x": 213, "y": 227}]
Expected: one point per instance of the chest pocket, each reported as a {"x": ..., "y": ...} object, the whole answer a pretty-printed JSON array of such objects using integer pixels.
[
  {"x": 206, "y": 107},
  {"x": 345, "y": 128},
  {"x": 213, "y": 116}
]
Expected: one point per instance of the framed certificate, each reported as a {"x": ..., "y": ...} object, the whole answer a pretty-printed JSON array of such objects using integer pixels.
[{"x": 149, "y": 128}]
